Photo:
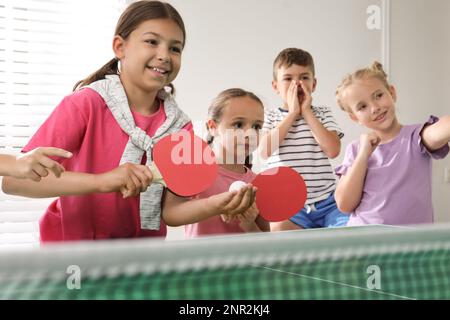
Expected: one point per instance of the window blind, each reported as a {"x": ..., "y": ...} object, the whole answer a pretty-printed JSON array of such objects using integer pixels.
[{"x": 45, "y": 47}]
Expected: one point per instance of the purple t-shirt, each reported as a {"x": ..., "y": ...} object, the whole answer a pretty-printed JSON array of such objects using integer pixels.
[{"x": 397, "y": 189}]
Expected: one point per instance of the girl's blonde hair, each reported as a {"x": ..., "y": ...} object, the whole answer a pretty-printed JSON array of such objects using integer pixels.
[{"x": 375, "y": 70}]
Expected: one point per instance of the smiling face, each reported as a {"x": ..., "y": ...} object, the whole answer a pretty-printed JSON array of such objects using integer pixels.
[
  {"x": 236, "y": 133},
  {"x": 371, "y": 104},
  {"x": 151, "y": 55},
  {"x": 285, "y": 75}
]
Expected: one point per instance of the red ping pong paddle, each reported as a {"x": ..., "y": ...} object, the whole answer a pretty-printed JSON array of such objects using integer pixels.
[
  {"x": 281, "y": 193},
  {"x": 184, "y": 163}
]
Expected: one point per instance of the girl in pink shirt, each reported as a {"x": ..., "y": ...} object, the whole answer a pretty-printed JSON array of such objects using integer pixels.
[
  {"x": 235, "y": 118},
  {"x": 109, "y": 124}
]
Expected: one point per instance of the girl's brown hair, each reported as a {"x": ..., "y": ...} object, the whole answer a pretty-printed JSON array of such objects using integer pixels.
[
  {"x": 290, "y": 56},
  {"x": 131, "y": 18},
  {"x": 375, "y": 70},
  {"x": 217, "y": 106},
  {"x": 215, "y": 110}
]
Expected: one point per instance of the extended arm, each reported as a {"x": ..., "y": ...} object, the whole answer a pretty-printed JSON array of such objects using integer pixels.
[
  {"x": 130, "y": 179},
  {"x": 437, "y": 135},
  {"x": 34, "y": 164}
]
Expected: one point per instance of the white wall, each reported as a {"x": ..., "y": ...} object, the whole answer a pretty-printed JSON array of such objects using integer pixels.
[
  {"x": 234, "y": 43},
  {"x": 420, "y": 66}
]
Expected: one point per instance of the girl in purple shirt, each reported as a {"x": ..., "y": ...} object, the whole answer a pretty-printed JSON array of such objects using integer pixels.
[{"x": 386, "y": 175}]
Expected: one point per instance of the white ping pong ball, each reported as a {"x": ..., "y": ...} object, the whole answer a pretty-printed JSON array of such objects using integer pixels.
[{"x": 237, "y": 185}]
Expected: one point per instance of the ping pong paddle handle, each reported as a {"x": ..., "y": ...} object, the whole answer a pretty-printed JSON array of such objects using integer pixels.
[{"x": 157, "y": 177}]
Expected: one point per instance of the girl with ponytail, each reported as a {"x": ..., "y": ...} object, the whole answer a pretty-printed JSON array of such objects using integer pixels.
[
  {"x": 110, "y": 124},
  {"x": 386, "y": 175}
]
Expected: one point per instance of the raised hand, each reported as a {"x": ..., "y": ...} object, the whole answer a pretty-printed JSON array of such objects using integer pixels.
[
  {"x": 292, "y": 99},
  {"x": 306, "y": 97},
  {"x": 368, "y": 143}
]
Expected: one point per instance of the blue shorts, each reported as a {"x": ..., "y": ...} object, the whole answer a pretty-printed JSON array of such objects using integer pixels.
[{"x": 323, "y": 214}]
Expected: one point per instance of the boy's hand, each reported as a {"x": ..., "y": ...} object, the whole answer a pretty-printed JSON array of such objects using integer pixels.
[
  {"x": 306, "y": 98},
  {"x": 130, "y": 179},
  {"x": 36, "y": 163},
  {"x": 368, "y": 143},
  {"x": 292, "y": 99}
]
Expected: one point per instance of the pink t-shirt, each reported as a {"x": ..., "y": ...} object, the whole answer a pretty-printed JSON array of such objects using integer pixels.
[
  {"x": 83, "y": 125},
  {"x": 215, "y": 225}
]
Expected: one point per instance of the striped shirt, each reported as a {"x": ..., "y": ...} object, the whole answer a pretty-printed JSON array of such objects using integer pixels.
[{"x": 300, "y": 151}]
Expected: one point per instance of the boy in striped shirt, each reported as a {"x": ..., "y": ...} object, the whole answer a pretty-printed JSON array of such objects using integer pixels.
[{"x": 303, "y": 137}]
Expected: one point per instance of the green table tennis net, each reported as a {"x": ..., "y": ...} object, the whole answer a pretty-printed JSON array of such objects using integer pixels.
[{"x": 345, "y": 263}]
